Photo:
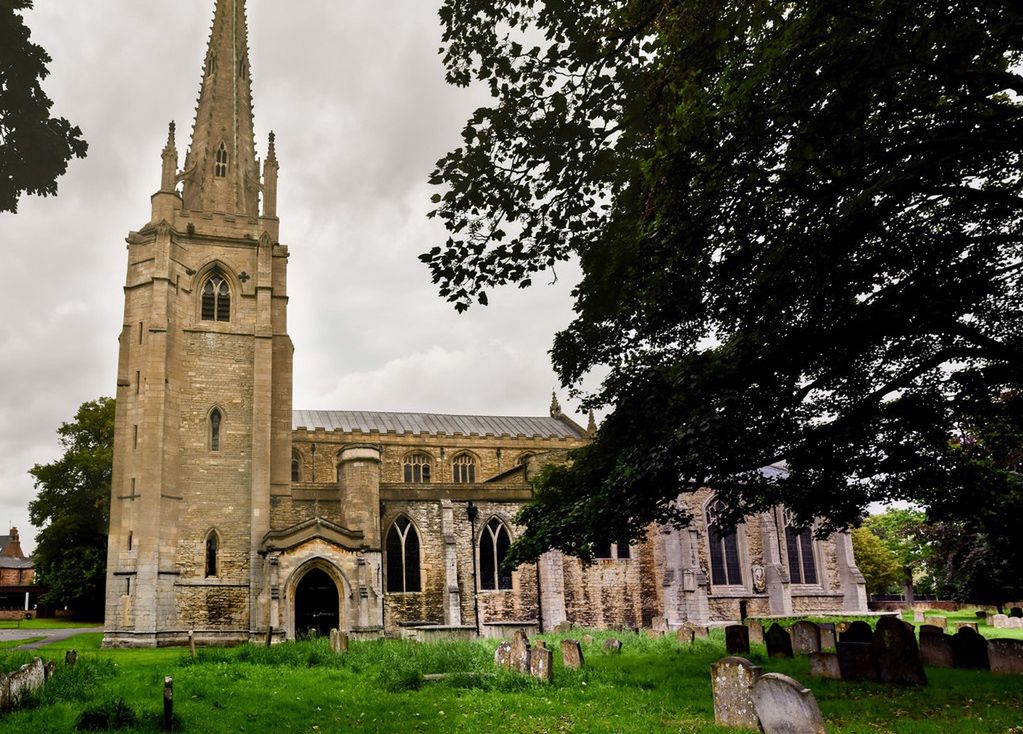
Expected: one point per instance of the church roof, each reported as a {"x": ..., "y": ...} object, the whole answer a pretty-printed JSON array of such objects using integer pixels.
[{"x": 435, "y": 423}]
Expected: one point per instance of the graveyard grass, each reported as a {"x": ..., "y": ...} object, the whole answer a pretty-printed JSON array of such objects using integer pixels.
[{"x": 654, "y": 685}]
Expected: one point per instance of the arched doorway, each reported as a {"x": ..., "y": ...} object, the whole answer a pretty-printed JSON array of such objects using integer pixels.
[{"x": 317, "y": 605}]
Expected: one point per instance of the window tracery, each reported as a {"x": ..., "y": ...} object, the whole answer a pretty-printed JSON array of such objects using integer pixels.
[
  {"x": 493, "y": 548},
  {"x": 403, "y": 565}
]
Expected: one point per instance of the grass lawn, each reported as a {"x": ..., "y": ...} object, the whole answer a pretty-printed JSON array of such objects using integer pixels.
[
  {"x": 653, "y": 686},
  {"x": 45, "y": 624},
  {"x": 968, "y": 616}
]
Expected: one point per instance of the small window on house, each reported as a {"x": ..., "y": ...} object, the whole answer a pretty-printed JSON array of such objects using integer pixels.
[
  {"x": 215, "y": 421},
  {"x": 493, "y": 547},
  {"x": 220, "y": 169},
  {"x": 296, "y": 468},
  {"x": 799, "y": 545},
  {"x": 725, "y": 569},
  {"x": 417, "y": 469},
  {"x": 403, "y": 557},
  {"x": 212, "y": 549},
  {"x": 216, "y": 299},
  {"x": 464, "y": 466}
]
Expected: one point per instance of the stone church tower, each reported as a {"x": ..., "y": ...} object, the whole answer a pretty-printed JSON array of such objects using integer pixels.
[{"x": 203, "y": 424}]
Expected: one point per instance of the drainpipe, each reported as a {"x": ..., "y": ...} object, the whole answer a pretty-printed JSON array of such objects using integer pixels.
[{"x": 472, "y": 511}]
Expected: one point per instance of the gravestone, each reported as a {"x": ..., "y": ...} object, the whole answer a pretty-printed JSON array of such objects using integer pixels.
[
  {"x": 970, "y": 650},
  {"x": 841, "y": 628},
  {"x": 732, "y": 680},
  {"x": 563, "y": 627},
  {"x": 520, "y": 652},
  {"x": 572, "y": 654},
  {"x": 897, "y": 654},
  {"x": 918, "y": 616},
  {"x": 335, "y": 642},
  {"x": 587, "y": 639},
  {"x": 701, "y": 632},
  {"x": 971, "y": 625},
  {"x": 779, "y": 644},
  {"x": 856, "y": 661},
  {"x": 998, "y": 621},
  {"x": 936, "y": 649},
  {"x": 756, "y": 632},
  {"x": 660, "y": 624},
  {"x": 342, "y": 641},
  {"x": 786, "y": 706},
  {"x": 685, "y": 635},
  {"x": 806, "y": 638},
  {"x": 71, "y": 658},
  {"x": 1006, "y": 656},
  {"x": 930, "y": 629},
  {"x": 502, "y": 655},
  {"x": 737, "y": 639},
  {"x": 653, "y": 633},
  {"x": 1016, "y": 612},
  {"x": 828, "y": 635},
  {"x": 825, "y": 665},
  {"x": 541, "y": 662},
  {"x": 612, "y": 645},
  {"x": 981, "y": 614},
  {"x": 1014, "y": 623},
  {"x": 858, "y": 631},
  {"x": 937, "y": 622}
]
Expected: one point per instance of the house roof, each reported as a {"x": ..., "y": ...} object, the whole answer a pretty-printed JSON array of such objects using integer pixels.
[
  {"x": 4, "y": 541},
  {"x": 435, "y": 423},
  {"x": 16, "y": 563}
]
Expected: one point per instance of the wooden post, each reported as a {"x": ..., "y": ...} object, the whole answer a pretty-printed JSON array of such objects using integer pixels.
[
  {"x": 168, "y": 703},
  {"x": 269, "y": 635}
]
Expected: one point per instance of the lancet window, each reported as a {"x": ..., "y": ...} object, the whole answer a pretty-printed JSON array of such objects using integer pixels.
[
  {"x": 417, "y": 469},
  {"x": 464, "y": 469},
  {"x": 493, "y": 547},
  {"x": 403, "y": 557},
  {"x": 216, "y": 299},
  {"x": 799, "y": 547},
  {"x": 725, "y": 568}
]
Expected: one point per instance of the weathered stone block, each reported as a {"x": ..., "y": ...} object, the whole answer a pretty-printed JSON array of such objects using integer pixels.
[
  {"x": 858, "y": 631},
  {"x": 897, "y": 654},
  {"x": 806, "y": 638},
  {"x": 520, "y": 652},
  {"x": 828, "y": 636},
  {"x": 1006, "y": 656},
  {"x": 732, "y": 680},
  {"x": 785, "y": 706},
  {"x": 940, "y": 622},
  {"x": 541, "y": 662},
  {"x": 856, "y": 661},
  {"x": 756, "y": 631},
  {"x": 503, "y": 655},
  {"x": 825, "y": 665},
  {"x": 612, "y": 645},
  {"x": 970, "y": 649},
  {"x": 778, "y": 641},
  {"x": 572, "y": 654},
  {"x": 737, "y": 639},
  {"x": 936, "y": 650}
]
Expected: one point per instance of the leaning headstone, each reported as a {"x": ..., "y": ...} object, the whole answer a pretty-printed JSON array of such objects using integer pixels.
[
  {"x": 998, "y": 620},
  {"x": 756, "y": 631},
  {"x": 335, "y": 642},
  {"x": 856, "y": 661},
  {"x": 520, "y": 652},
  {"x": 71, "y": 658},
  {"x": 1006, "y": 656},
  {"x": 502, "y": 655},
  {"x": 972, "y": 625},
  {"x": 897, "y": 654},
  {"x": 825, "y": 665},
  {"x": 342, "y": 641},
  {"x": 572, "y": 654},
  {"x": 806, "y": 638},
  {"x": 563, "y": 627},
  {"x": 685, "y": 635},
  {"x": 858, "y": 631},
  {"x": 1016, "y": 612},
  {"x": 587, "y": 639},
  {"x": 191, "y": 643},
  {"x": 659, "y": 624},
  {"x": 701, "y": 632},
  {"x": 779, "y": 644},
  {"x": 785, "y": 706},
  {"x": 732, "y": 680},
  {"x": 930, "y": 629},
  {"x": 50, "y": 668},
  {"x": 737, "y": 639},
  {"x": 970, "y": 650},
  {"x": 828, "y": 635},
  {"x": 936, "y": 650},
  {"x": 937, "y": 622},
  {"x": 541, "y": 662},
  {"x": 612, "y": 645}
]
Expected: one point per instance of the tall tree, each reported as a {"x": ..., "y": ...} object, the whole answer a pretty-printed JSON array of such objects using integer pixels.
[
  {"x": 34, "y": 147},
  {"x": 799, "y": 230},
  {"x": 906, "y": 533},
  {"x": 880, "y": 567},
  {"x": 73, "y": 509}
]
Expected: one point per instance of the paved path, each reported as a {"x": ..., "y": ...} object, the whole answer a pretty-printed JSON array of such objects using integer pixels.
[{"x": 48, "y": 635}]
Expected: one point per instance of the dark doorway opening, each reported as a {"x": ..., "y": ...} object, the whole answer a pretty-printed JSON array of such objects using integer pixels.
[{"x": 316, "y": 605}]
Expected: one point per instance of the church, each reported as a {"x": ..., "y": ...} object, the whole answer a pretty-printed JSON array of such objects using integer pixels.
[{"x": 234, "y": 517}]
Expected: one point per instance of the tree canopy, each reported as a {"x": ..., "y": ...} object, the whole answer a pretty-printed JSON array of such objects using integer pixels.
[
  {"x": 881, "y": 569},
  {"x": 35, "y": 148},
  {"x": 73, "y": 510},
  {"x": 799, "y": 231}
]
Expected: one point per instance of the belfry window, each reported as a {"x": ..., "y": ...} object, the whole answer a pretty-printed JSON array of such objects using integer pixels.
[
  {"x": 464, "y": 466},
  {"x": 403, "y": 557},
  {"x": 220, "y": 169},
  {"x": 296, "y": 468},
  {"x": 215, "y": 420},
  {"x": 799, "y": 547},
  {"x": 212, "y": 550},
  {"x": 725, "y": 569},
  {"x": 216, "y": 299},
  {"x": 494, "y": 544},
  {"x": 417, "y": 469}
]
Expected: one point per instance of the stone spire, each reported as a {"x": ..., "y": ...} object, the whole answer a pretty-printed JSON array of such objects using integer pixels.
[
  {"x": 221, "y": 173},
  {"x": 591, "y": 425},
  {"x": 555, "y": 405}
]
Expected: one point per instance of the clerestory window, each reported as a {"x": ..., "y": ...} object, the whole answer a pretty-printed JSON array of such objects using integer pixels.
[
  {"x": 216, "y": 299},
  {"x": 464, "y": 469},
  {"x": 417, "y": 469},
  {"x": 403, "y": 557}
]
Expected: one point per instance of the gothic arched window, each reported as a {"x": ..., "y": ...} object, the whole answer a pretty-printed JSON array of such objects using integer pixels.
[
  {"x": 417, "y": 469},
  {"x": 799, "y": 547},
  {"x": 215, "y": 420},
  {"x": 220, "y": 170},
  {"x": 216, "y": 299},
  {"x": 403, "y": 557},
  {"x": 494, "y": 543},
  {"x": 212, "y": 551},
  {"x": 725, "y": 569},
  {"x": 296, "y": 468},
  {"x": 464, "y": 469}
]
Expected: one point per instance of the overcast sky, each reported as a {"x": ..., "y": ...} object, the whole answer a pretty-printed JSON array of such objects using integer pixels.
[{"x": 355, "y": 91}]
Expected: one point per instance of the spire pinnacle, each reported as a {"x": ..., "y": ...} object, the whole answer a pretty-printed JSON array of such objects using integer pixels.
[
  {"x": 591, "y": 425},
  {"x": 555, "y": 405},
  {"x": 221, "y": 173}
]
